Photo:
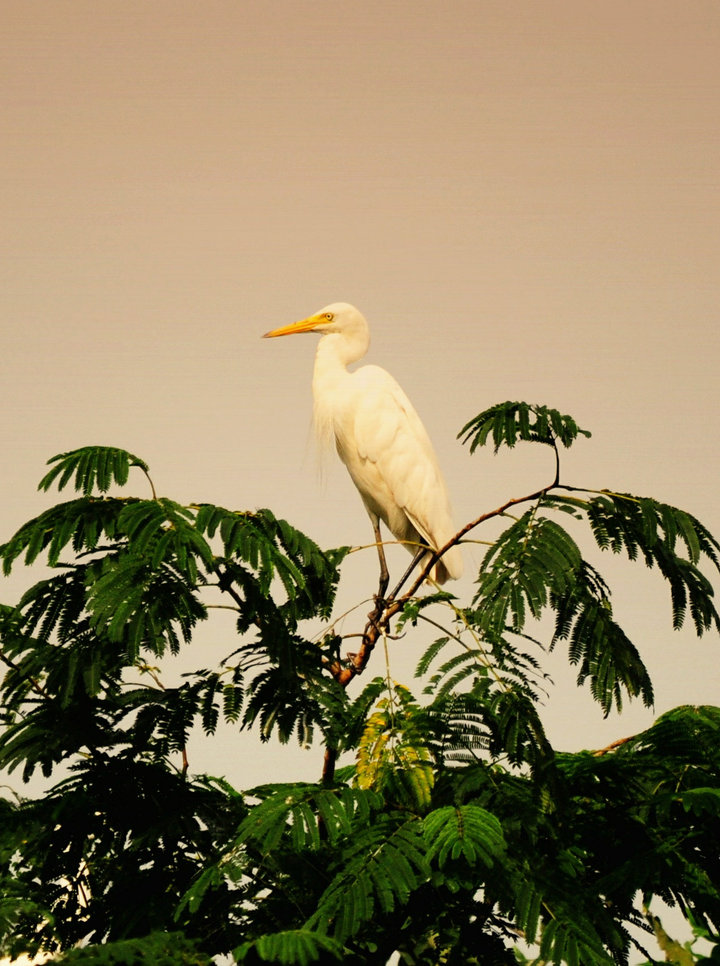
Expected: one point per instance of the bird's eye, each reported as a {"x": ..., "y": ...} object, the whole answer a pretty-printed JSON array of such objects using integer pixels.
[{"x": 329, "y": 316}]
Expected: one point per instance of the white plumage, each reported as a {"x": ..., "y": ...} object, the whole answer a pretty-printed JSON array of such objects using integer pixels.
[{"x": 379, "y": 437}]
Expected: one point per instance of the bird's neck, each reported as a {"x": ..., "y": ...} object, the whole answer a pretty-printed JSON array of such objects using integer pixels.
[
  {"x": 344, "y": 348},
  {"x": 331, "y": 360},
  {"x": 335, "y": 352}
]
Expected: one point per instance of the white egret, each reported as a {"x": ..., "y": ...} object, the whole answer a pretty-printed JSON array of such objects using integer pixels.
[{"x": 380, "y": 439}]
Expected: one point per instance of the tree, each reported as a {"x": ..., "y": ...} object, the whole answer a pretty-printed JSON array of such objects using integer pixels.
[{"x": 457, "y": 834}]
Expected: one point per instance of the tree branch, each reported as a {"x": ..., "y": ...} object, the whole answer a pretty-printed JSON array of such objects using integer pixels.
[{"x": 379, "y": 618}]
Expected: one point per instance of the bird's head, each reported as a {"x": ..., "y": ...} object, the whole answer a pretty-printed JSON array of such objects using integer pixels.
[{"x": 338, "y": 317}]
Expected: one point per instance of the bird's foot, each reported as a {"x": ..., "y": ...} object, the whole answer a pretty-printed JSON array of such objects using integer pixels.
[{"x": 377, "y": 611}]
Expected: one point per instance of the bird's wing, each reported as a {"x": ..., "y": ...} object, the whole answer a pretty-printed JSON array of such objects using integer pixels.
[{"x": 392, "y": 443}]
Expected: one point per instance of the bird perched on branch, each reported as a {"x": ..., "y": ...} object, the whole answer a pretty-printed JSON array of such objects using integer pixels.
[{"x": 380, "y": 439}]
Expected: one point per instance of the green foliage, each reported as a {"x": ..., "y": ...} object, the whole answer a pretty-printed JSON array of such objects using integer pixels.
[
  {"x": 532, "y": 559},
  {"x": 455, "y": 831},
  {"x": 383, "y": 865},
  {"x": 393, "y": 755},
  {"x": 161, "y": 949},
  {"x": 653, "y": 530},
  {"x": 508, "y": 422},
  {"x": 300, "y": 946},
  {"x": 295, "y": 814},
  {"x": 135, "y": 592},
  {"x": 464, "y": 831},
  {"x": 94, "y": 467}
]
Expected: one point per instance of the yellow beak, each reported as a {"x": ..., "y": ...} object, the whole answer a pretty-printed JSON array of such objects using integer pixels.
[{"x": 304, "y": 325}]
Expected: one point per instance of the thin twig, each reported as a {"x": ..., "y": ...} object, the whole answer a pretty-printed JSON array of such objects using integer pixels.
[
  {"x": 35, "y": 685},
  {"x": 612, "y": 746}
]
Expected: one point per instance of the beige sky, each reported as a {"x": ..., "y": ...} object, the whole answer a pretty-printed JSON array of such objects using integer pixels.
[{"x": 522, "y": 197}]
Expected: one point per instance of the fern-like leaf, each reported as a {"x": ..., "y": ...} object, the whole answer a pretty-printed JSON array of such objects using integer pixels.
[
  {"x": 464, "y": 831},
  {"x": 291, "y": 812},
  {"x": 532, "y": 559},
  {"x": 80, "y": 523},
  {"x": 394, "y": 756},
  {"x": 160, "y": 948},
  {"x": 94, "y": 467},
  {"x": 272, "y": 548},
  {"x": 384, "y": 865},
  {"x": 573, "y": 943},
  {"x": 506, "y": 423},
  {"x": 298, "y": 947},
  {"x": 598, "y": 645},
  {"x": 640, "y": 525},
  {"x": 143, "y": 606}
]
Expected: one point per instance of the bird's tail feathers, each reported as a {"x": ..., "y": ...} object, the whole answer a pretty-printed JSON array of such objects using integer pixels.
[{"x": 449, "y": 566}]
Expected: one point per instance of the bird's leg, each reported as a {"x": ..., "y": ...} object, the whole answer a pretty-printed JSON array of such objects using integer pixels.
[
  {"x": 387, "y": 605},
  {"x": 384, "y": 574},
  {"x": 413, "y": 564},
  {"x": 374, "y": 615}
]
